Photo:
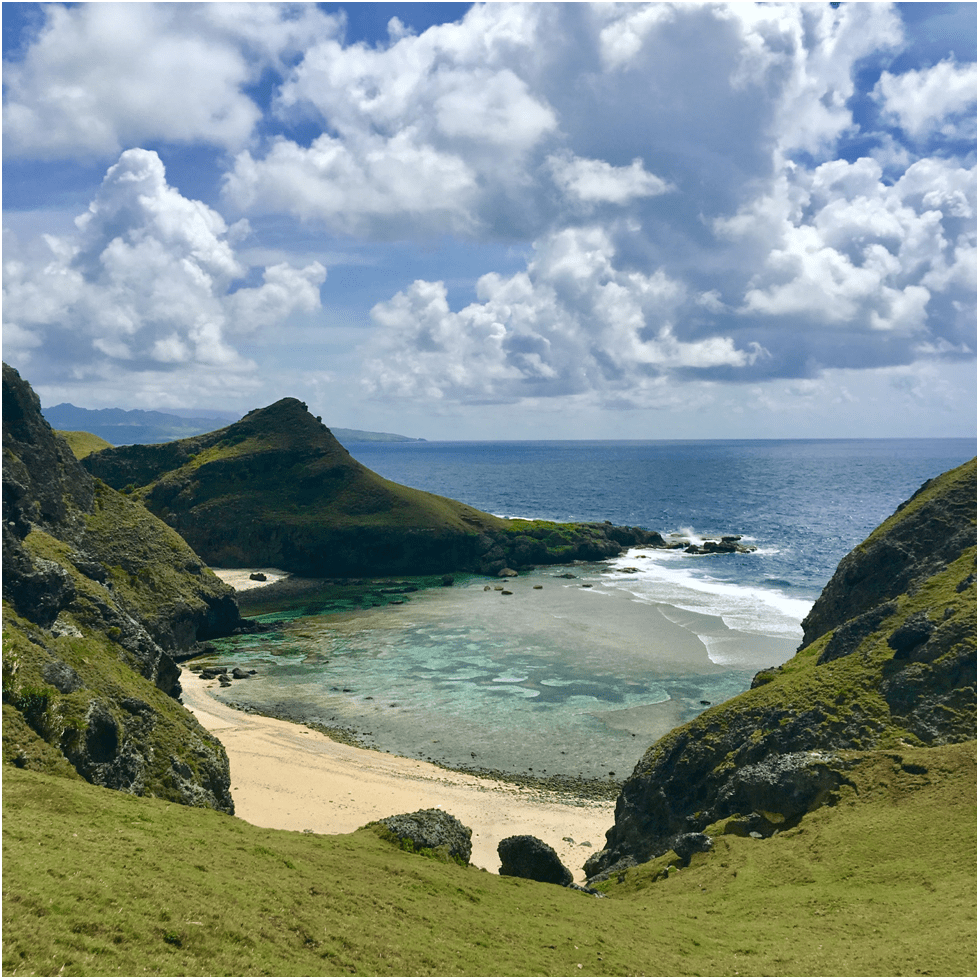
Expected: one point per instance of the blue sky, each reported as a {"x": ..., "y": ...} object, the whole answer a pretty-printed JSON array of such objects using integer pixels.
[{"x": 499, "y": 221}]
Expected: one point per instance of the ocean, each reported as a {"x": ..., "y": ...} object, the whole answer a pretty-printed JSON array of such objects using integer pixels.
[{"x": 578, "y": 675}]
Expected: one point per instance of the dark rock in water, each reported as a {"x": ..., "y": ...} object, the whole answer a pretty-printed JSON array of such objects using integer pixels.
[
  {"x": 533, "y": 859},
  {"x": 239, "y": 674},
  {"x": 258, "y": 576},
  {"x": 432, "y": 829}
]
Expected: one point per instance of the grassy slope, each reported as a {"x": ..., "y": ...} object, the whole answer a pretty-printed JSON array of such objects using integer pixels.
[
  {"x": 280, "y": 462},
  {"x": 84, "y": 443},
  {"x": 100, "y": 883}
]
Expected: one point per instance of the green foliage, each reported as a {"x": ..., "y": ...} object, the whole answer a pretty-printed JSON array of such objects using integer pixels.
[{"x": 100, "y": 883}]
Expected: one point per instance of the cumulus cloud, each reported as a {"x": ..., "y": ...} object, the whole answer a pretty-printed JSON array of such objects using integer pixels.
[
  {"x": 700, "y": 199},
  {"x": 846, "y": 250},
  {"x": 147, "y": 284},
  {"x": 595, "y": 181},
  {"x": 572, "y": 322},
  {"x": 929, "y": 99},
  {"x": 100, "y": 77}
]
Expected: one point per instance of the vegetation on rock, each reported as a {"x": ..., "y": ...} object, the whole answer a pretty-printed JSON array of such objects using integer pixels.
[{"x": 99, "y": 599}]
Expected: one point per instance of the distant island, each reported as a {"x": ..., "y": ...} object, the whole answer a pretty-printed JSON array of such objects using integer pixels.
[
  {"x": 347, "y": 435},
  {"x": 136, "y": 427}
]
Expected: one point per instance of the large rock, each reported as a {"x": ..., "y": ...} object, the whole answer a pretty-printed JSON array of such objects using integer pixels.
[
  {"x": 432, "y": 829},
  {"x": 533, "y": 859},
  {"x": 889, "y": 658}
]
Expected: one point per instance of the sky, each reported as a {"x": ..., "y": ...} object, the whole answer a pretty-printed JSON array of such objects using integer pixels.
[{"x": 498, "y": 221}]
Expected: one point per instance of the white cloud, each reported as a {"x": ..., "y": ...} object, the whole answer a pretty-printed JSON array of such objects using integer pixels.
[
  {"x": 572, "y": 322},
  {"x": 147, "y": 283},
  {"x": 103, "y": 76},
  {"x": 846, "y": 250},
  {"x": 357, "y": 186},
  {"x": 920, "y": 101},
  {"x": 595, "y": 181}
]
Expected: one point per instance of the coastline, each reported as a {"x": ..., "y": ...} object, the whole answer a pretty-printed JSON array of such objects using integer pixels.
[{"x": 289, "y": 776}]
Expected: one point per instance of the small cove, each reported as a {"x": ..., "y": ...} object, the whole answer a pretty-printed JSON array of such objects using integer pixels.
[
  {"x": 580, "y": 681},
  {"x": 557, "y": 679}
]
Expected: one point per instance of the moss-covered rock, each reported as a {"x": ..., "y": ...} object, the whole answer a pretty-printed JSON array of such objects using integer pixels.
[
  {"x": 100, "y": 599},
  {"x": 889, "y": 660}
]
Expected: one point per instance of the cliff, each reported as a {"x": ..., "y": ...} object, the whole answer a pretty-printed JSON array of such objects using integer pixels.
[
  {"x": 888, "y": 663},
  {"x": 277, "y": 489},
  {"x": 99, "y": 599}
]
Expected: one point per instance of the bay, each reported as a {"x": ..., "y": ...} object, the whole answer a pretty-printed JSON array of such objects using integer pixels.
[{"x": 578, "y": 675}]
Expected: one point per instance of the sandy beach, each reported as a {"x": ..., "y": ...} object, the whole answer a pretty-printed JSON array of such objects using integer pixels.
[{"x": 286, "y": 776}]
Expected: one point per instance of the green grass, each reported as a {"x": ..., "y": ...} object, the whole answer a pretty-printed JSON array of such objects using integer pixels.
[
  {"x": 84, "y": 443},
  {"x": 100, "y": 883}
]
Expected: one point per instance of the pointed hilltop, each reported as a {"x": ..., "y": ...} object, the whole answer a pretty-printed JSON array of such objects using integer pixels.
[{"x": 277, "y": 489}]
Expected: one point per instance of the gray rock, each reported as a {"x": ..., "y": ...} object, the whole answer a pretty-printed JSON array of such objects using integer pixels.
[
  {"x": 533, "y": 859},
  {"x": 432, "y": 829},
  {"x": 687, "y": 844}
]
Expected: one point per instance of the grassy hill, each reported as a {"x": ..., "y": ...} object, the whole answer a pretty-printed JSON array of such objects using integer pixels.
[
  {"x": 84, "y": 443},
  {"x": 101, "y": 883},
  {"x": 277, "y": 489},
  {"x": 889, "y": 662},
  {"x": 99, "y": 598}
]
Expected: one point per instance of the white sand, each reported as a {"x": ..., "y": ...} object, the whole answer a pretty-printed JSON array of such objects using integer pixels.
[
  {"x": 240, "y": 580},
  {"x": 286, "y": 776}
]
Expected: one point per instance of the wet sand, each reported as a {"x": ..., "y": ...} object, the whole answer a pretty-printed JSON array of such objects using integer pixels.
[{"x": 286, "y": 776}]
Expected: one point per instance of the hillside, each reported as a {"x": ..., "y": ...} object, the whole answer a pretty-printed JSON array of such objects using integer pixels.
[
  {"x": 277, "y": 489},
  {"x": 888, "y": 663},
  {"x": 99, "y": 600}
]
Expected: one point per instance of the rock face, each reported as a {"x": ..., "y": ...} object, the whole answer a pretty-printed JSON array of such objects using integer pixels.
[
  {"x": 99, "y": 599},
  {"x": 276, "y": 489},
  {"x": 532, "y": 859},
  {"x": 888, "y": 659},
  {"x": 432, "y": 829}
]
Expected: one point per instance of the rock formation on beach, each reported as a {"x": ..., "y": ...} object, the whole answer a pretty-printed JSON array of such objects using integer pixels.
[
  {"x": 100, "y": 598},
  {"x": 888, "y": 661},
  {"x": 277, "y": 489}
]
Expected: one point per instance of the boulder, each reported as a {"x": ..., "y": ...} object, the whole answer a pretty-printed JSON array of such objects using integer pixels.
[
  {"x": 533, "y": 859},
  {"x": 431, "y": 829}
]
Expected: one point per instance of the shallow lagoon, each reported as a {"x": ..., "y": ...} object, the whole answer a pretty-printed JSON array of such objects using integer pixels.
[{"x": 576, "y": 676}]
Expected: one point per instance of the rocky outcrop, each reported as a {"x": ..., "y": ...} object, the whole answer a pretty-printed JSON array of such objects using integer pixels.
[
  {"x": 924, "y": 535},
  {"x": 100, "y": 599},
  {"x": 430, "y": 830},
  {"x": 532, "y": 859},
  {"x": 889, "y": 660}
]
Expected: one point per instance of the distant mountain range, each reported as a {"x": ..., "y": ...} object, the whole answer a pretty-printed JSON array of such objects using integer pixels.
[{"x": 136, "y": 427}]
